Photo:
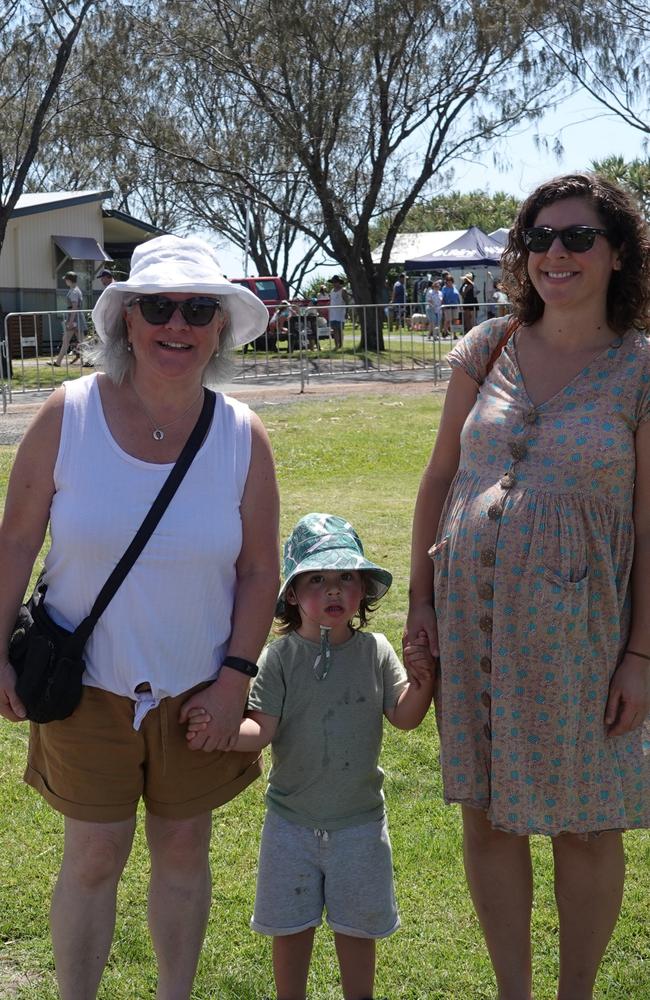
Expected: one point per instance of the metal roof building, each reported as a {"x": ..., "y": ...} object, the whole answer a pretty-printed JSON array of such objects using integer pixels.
[{"x": 49, "y": 234}]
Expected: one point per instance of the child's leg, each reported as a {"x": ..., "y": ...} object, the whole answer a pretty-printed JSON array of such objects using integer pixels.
[
  {"x": 291, "y": 958},
  {"x": 357, "y": 964}
]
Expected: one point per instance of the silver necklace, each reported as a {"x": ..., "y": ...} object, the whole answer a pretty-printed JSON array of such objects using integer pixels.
[{"x": 157, "y": 430}]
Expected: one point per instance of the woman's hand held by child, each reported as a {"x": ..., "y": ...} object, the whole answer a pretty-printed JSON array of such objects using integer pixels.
[
  {"x": 419, "y": 662},
  {"x": 422, "y": 618}
]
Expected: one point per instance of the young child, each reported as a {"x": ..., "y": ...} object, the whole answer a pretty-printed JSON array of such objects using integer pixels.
[{"x": 319, "y": 699}]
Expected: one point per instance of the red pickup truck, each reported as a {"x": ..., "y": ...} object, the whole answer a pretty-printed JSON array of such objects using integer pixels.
[{"x": 272, "y": 290}]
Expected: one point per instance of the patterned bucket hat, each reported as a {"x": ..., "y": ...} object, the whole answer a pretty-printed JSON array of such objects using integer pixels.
[{"x": 325, "y": 541}]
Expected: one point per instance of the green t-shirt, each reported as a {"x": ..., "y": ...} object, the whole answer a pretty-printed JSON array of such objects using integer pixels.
[{"x": 325, "y": 754}]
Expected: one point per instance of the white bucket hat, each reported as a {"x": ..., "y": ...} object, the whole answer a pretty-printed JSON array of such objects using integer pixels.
[{"x": 174, "y": 264}]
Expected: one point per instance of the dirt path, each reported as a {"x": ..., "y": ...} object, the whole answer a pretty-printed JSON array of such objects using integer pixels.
[{"x": 14, "y": 422}]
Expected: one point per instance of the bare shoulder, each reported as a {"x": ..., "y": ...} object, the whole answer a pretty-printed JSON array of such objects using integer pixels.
[
  {"x": 31, "y": 484},
  {"x": 261, "y": 480},
  {"x": 42, "y": 437},
  {"x": 460, "y": 397},
  {"x": 258, "y": 430},
  {"x": 261, "y": 450}
]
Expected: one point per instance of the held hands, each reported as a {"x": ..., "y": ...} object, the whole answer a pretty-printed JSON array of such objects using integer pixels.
[
  {"x": 11, "y": 707},
  {"x": 629, "y": 696},
  {"x": 215, "y": 726},
  {"x": 418, "y": 660},
  {"x": 422, "y": 618},
  {"x": 197, "y": 722},
  {"x": 421, "y": 630}
]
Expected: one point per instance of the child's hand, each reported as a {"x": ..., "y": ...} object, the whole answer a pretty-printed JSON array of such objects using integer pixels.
[
  {"x": 197, "y": 721},
  {"x": 420, "y": 664}
]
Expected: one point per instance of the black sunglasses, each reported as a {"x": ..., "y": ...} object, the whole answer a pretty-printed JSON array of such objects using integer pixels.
[
  {"x": 577, "y": 239},
  {"x": 197, "y": 311}
]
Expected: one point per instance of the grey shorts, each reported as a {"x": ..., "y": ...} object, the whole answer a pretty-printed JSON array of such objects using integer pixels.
[{"x": 348, "y": 872}]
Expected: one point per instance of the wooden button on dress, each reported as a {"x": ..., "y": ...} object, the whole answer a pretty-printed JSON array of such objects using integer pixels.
[
  {"x": 485, "y": 699},
  {"x": 495, "y": 510},
  {"x": 485, "y": 590},
  {"x": 518, "y": 450},
  {"x": 488, "y": 557},
  {"x": 507, "y": 481},
  {"x": 485, "y": 623},
  {"x": 486, "y": 664},
  {"x": 530, "y": 417}
]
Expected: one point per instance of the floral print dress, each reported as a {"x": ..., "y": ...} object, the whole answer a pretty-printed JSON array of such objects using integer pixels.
[{"x": 532, "y": 568}]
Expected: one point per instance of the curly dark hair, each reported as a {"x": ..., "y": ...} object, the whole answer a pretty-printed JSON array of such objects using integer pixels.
[
  {"x": 628, "y": 293},
  {"x": 290, "y": 618}
]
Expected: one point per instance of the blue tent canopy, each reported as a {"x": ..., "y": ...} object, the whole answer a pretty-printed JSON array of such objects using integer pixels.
[{"x": 473, "y": 247}]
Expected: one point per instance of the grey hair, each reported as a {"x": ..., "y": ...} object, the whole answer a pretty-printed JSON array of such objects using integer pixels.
[{"x": 113, "y": 357}]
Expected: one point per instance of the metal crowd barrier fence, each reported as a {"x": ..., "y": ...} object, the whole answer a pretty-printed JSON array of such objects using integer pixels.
[
  {"x": 29, "y": 345},
  {"x": 378, "y": 341}
]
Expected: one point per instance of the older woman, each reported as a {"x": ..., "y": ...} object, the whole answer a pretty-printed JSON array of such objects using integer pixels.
[
  {"x": 193, "y": 612},
  {"x": 535, "y": 510}
]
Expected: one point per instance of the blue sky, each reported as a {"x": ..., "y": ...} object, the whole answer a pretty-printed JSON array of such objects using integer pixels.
[
  {"x": 578, "y": 122},
  {"x": 585, "y": 132}
]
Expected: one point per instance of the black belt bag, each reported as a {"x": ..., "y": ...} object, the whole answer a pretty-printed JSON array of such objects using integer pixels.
[{"x": 47, "y": 658}]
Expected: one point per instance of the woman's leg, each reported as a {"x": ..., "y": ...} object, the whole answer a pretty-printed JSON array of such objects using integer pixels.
[
  {"x": 68, "y": 334},
  {"x": 589, "y": 878},
  {"x": 82, "y": 916},
  {"x": 291, "y": 958},
  {"x": 499, "y": 875},
  {"x": 179, "y": 898},
  {"x": 357, "y": 964}
]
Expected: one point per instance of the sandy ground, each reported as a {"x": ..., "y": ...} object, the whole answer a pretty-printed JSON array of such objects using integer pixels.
[{"x": 14, "y": 422}]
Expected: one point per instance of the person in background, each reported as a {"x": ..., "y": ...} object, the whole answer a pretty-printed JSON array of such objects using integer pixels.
[
  {"x": 433, "y": 305},
  {"x": 398, "y": 300},
  {"x": 105, "y": 277},
  {"x": 500, "y": 297},
  {"x": 469, "y": 300},
  {"x": 450, "y": 299},
  {"x": 185, "y": 627},
  {"x": 529, "y": 574},
  {"x": 339, "y": 298},
  {"x": 283, "y": 323},
  {"x": 75, "y": 325}
]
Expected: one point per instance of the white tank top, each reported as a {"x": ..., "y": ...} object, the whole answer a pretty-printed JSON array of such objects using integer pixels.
[{"x": 169, "y": 623}]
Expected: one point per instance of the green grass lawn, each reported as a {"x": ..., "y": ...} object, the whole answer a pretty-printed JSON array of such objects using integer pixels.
[{"x": 360, "y": 457}]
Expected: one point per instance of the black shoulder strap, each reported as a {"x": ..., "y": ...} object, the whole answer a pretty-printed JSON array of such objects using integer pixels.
[
  {"x": 83, "y": 631},
  {"x": 509, "y": 328}
]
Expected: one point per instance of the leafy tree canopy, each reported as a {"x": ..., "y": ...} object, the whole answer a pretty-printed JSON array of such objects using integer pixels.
[
  {"x": 457, "y": 211},
  {"x": 324, "y": 117},
  {"x": 633, "y": 175},
  {"x": 37, "y": 38}
]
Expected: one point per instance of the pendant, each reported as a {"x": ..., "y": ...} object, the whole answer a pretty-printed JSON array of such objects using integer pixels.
[{"x": 157, "y": 434}]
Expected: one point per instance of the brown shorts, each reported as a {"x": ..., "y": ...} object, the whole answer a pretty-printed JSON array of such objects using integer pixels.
[{"x": 94, "y": 766}]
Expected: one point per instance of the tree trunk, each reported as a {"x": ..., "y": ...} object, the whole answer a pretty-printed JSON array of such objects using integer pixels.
[
  {"x": 372, "y": 334},
  {"x": 366, "y": 292}
]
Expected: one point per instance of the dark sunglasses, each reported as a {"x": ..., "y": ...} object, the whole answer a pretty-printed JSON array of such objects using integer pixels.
[
  {"x": 577, "y": 239},
  {"x": 197, "y": 311}
]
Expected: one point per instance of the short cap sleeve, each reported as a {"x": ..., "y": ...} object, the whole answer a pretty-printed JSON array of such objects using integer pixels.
[
  {"x": 473, "y": 352},
  {"x": 394, "y": 674},
  {"x": 268, "y": 691}
]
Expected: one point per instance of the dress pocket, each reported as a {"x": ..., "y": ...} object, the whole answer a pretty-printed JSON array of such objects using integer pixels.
[
  {"x": 439, "y": 554},
  {"x": 573, "y": 584}
]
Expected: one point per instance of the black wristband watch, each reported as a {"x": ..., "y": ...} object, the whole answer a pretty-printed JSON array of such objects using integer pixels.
[{"x": 240, "y": 664}]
